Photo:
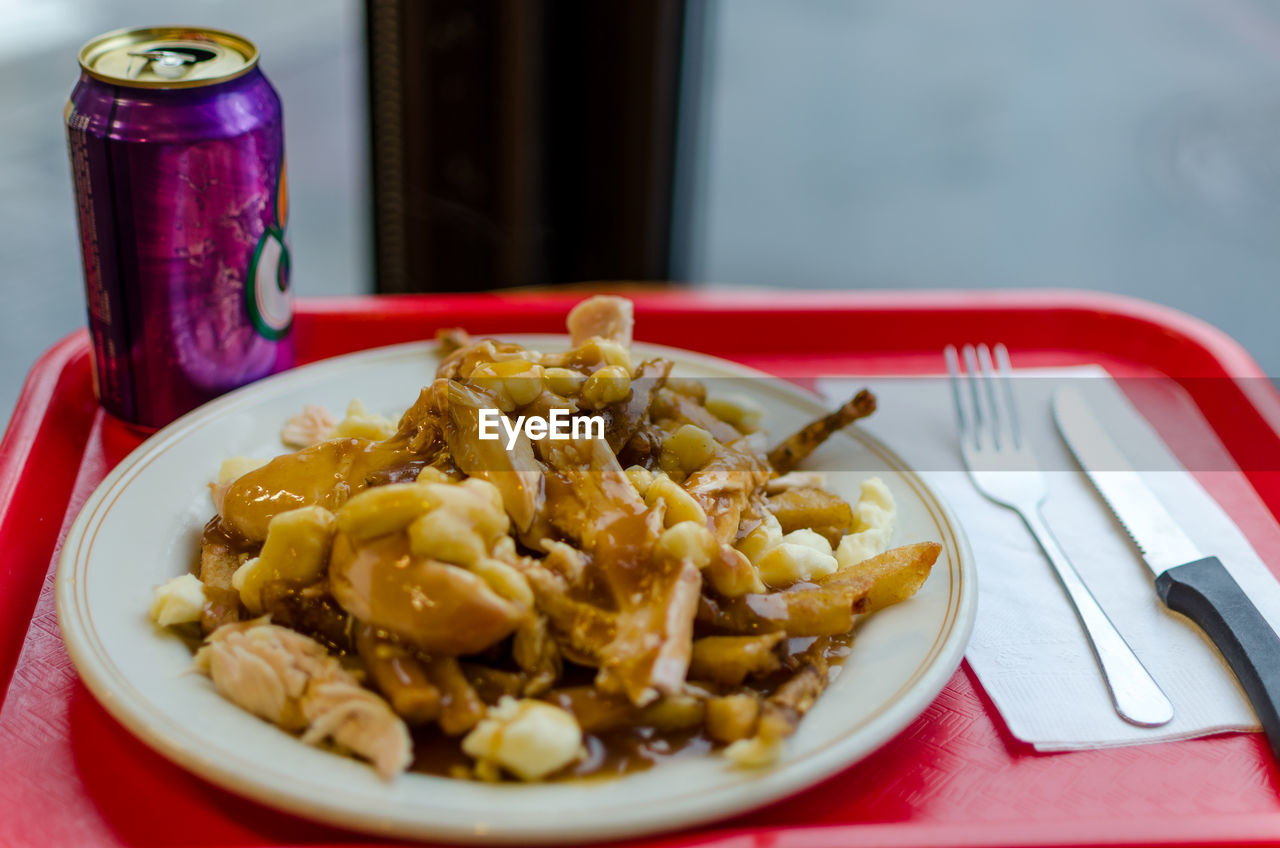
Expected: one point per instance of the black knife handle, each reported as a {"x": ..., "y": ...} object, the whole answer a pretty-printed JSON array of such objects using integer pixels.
[{"x": 1206, "y": 593}]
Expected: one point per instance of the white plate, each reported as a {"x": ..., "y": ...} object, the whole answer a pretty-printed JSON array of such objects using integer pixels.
[{"x": 142, "y": 526}]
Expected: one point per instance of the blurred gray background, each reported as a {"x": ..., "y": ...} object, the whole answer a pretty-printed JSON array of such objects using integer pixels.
[{"x": 1131, "y": 147}]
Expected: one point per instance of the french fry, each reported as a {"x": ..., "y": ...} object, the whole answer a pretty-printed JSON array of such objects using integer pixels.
[
  {"x": 793, "y": 451},
  {"x": 401, "y": 677},
  {"x": 732, "y": 717},
  {"x": 805, "y": 609},
  {"x": 892, "y": 576},
  {"x": 813, "y": 509},
  {"x": 729, "y": 660}
]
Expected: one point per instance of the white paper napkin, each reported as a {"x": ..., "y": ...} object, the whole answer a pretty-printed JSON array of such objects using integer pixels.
[{"x": 1028, "y": 649}]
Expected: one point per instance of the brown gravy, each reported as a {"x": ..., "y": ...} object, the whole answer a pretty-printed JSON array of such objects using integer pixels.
[
  {"x": 608, "y": 755},
  {"x": 616, "y": 752},
  {"x": 325, "y": 474}
]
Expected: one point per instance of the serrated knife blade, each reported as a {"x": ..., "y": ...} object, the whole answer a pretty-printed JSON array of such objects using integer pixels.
[
  {"x": 1160, "y": 539},
  {"x": 1186, "y": 580}
]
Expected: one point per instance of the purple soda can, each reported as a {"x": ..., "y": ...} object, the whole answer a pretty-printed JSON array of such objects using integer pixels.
[{"x": 177, "y": 157}]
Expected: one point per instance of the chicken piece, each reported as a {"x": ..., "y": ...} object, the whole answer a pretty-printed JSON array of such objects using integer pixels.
[
  {"x": 565, "y": 560},
  {"x": 459, "y": 363},
  {"x": 725, "y": 486},
  {"x": 421, "y": 429},
  {"x": 591, "y": 499},
  {"x": 361, "y": 722},
  {"x": 515, "y": 472},
  {"x": 291, "y": 681},
  {"x": 311, "y": 426},
  {"x": 627, "y": 416},
  {"x": 581, "y": 630},
  {"x": 793, "y": 450},
  {"x": 452, "y": 339},
  {"x": 602, "y": 316},
  {"x": 650, "y": 655},
  {"x": 535, "y": 653}
]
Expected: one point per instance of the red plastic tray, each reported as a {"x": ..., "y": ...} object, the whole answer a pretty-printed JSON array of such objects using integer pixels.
[{"x": 70, "y": 775}]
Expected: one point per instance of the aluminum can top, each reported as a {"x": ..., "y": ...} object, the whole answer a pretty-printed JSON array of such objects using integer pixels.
[{"x": 168, "y": 57}]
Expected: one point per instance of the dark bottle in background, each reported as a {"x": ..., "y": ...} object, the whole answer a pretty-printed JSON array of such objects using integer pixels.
[{"x": 522, "y": 142}]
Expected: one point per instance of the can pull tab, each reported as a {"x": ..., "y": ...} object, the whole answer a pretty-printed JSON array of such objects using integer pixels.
[{"x": 168, "y": 62}]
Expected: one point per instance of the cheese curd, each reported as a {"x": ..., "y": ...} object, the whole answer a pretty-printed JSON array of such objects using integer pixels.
[
  {"x": 873, "y": 517},
  {"x": 754, "y": 752},
  {"x": 179, "y": 601},
  {"x": 766, "y": 535},
  {"x": 235, "y": 467},
  {"x": 296, "y": 551},
  {"x": 680, "y": 505},
  {"x": 801, "y": 555},
  {"x": 531, "y": 739},
  {"x": 740, "y": 411},
  {"x": 805, "y": 555},
  {"x": 362, "y": 423}
]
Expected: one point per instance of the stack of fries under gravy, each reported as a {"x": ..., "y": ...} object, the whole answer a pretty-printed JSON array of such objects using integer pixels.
[{"x": 418, "y": 596}]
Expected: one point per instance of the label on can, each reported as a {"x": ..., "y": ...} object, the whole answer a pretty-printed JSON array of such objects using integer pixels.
[
  {"x": 267, "y": 294},
  {"x": 108, "y": 329}
]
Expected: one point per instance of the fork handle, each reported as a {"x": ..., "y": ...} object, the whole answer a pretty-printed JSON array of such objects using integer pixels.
[{"x": 1136, "y": 696}]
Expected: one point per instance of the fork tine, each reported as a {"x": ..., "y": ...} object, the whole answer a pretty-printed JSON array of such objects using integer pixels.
[
  {"x": 957, "y": 396},
  {"x": 997, "y": 414},
  {"x": 1006, "y": 381},
  {"x": 979, "y": 419}
]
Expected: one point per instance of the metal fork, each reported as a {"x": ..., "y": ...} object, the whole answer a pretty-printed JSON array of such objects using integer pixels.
[{"x": 1004, "y": 470}]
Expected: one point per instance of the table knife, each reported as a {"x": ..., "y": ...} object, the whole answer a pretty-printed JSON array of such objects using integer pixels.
[{"x": 1187, "y": 580}]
